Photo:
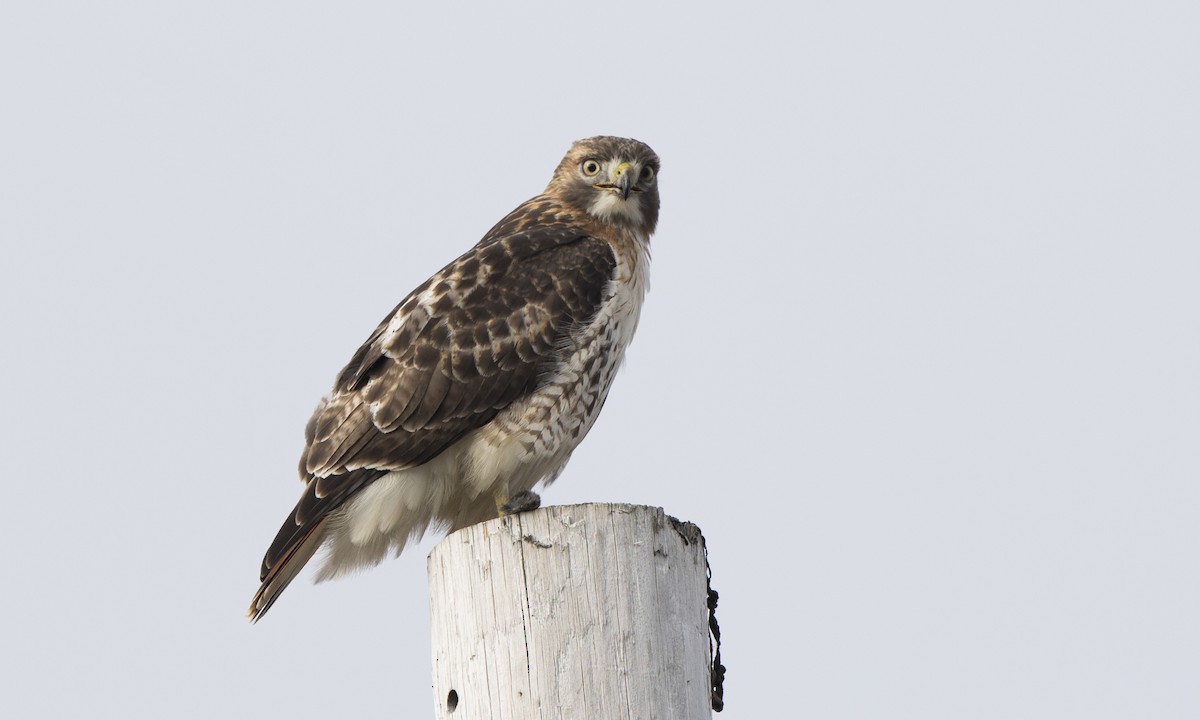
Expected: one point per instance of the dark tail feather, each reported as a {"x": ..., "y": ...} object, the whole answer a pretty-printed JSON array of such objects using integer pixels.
[
  {"x": 278, "y": 576},
  {"x": 303, "y": 533}
]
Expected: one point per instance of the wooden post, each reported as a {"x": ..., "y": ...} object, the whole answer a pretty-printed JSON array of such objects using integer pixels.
[{"x": 580, "y": 611}]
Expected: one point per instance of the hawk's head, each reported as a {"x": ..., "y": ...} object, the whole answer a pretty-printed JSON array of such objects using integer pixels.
[{"x": 614, "y": 179}]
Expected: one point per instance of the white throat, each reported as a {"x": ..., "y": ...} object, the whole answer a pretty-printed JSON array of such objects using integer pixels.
[{"x": 609, "y": 207}]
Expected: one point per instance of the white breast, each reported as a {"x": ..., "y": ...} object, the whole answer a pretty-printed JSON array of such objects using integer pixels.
[{"x": 532, "y": 440}]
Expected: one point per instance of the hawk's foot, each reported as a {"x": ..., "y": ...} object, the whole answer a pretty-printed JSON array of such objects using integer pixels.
[{"x": 521, "y": 502}]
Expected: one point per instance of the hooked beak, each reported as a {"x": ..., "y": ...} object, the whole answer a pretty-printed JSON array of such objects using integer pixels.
[{"x": 622, "y": 181}]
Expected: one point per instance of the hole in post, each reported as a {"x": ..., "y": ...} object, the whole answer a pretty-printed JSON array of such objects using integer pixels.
[{"x": 452, "y": 701}]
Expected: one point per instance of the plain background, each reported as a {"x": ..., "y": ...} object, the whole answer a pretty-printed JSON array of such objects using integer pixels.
[{"x": 921, "y": 354}]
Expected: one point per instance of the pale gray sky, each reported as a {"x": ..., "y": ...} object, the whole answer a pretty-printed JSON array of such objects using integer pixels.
[{"x": 921, "y": 354}]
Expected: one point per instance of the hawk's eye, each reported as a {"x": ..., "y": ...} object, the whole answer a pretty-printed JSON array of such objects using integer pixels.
[
  {"x": 647, "y": 174},
  {"x": 590, "y": 167}
]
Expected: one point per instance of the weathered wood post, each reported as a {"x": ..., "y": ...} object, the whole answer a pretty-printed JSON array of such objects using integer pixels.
[{"x": 581, "y": 611}]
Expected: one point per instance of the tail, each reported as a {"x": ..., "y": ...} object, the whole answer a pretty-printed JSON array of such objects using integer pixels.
[
  {"x": 303, "y": 533},
  {"x": 278, "y": 573}
]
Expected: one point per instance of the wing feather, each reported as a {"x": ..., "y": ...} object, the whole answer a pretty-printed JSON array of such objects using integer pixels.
[{"x": 461, "y": 347}]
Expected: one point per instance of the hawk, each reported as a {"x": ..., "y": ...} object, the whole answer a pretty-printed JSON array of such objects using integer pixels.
[{"x": 480, "y": 384}]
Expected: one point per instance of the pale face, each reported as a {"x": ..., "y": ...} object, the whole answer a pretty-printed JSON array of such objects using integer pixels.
[
  {"x": 614, "y": 179},
  {"x": 619, "y": 185}
]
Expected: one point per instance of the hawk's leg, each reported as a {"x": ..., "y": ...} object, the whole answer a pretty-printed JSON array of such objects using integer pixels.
[{"x": 519, "y": 503}]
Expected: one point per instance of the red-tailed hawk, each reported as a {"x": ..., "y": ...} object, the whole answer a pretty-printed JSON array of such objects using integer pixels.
[{"x": 481, "y": 383}]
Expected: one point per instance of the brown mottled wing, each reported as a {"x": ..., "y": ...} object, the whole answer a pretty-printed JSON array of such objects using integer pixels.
[{"x": 461, "y": 347}]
